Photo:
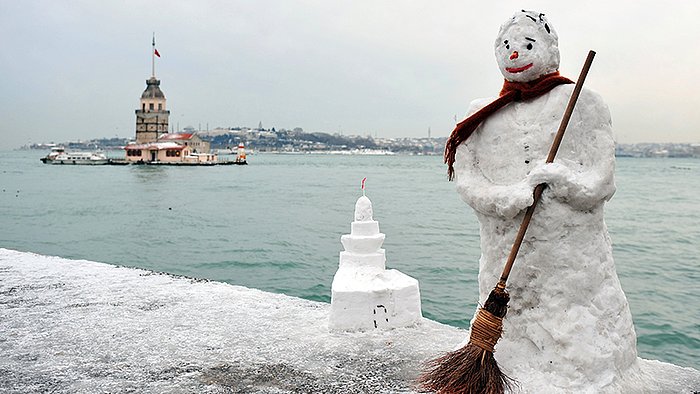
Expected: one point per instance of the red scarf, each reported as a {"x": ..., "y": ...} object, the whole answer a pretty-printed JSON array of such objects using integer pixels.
[{"x": 512, "y": 91}]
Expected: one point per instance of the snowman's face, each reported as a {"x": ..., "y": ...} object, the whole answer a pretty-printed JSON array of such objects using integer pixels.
[{"x": 526, "y": 50}]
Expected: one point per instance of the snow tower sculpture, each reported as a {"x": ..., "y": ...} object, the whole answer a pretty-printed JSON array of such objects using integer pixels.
[{"x": 365, "y": 295}]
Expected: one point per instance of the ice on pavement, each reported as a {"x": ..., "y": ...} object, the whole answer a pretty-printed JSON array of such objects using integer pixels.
[{"x": 69, "y": 326}]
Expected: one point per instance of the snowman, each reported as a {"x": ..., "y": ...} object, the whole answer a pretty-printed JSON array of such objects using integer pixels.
[{"x": 568, "y": 325}]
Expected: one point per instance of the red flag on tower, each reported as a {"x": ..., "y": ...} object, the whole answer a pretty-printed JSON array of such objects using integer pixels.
[{"x": 156, "y": 52}]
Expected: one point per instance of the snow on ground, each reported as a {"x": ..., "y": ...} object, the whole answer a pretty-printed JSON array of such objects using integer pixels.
[
  {"x": 80, "y": 326},
  {"x": 70, "y": 326}
]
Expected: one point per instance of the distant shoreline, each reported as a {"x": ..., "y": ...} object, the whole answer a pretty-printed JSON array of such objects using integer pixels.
[
  {"x": 680, "y": 151},
  {"x": 298, "y": 141}
]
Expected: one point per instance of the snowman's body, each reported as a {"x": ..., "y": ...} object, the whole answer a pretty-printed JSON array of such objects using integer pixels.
[
  {"x": 568, "y": 321},
  {"x": 568, "y": 317}
]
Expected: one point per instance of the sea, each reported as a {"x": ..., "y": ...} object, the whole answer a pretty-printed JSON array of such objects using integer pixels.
[{"x": 276, "y": 223}]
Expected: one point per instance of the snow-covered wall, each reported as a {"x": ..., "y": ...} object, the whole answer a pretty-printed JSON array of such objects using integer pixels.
[{"x": 70, "y": 326}]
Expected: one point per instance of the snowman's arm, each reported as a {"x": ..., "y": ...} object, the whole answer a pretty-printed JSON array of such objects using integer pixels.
[
  {"x": 584, "y": 177},
  {"x": 482, "y": 194}
]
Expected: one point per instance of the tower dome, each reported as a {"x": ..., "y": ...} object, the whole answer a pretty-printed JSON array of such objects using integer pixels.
[{"x": 152, "y": 89}]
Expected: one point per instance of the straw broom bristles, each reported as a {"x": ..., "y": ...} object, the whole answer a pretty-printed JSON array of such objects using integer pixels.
[{"x": 473, "y": 368}]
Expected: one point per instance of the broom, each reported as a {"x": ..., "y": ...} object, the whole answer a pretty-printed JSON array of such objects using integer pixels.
[{"x": 473, "y": 368}]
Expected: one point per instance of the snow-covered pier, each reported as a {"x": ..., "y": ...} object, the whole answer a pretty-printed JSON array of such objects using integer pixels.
[{"x": 70, "y": 326}]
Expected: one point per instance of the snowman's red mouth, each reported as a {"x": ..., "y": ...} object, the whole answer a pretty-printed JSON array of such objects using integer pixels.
[{"x": 518, "y": 69}]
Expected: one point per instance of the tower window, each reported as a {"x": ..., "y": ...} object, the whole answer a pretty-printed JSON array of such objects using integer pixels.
[
  {"x": 143, "y": 106},
  {"x": 150, "y": 106},
  {"x": 160, "y": 106}
]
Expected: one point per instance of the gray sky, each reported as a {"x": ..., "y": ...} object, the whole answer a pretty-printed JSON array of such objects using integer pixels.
[{"x": 75, "y": 69}]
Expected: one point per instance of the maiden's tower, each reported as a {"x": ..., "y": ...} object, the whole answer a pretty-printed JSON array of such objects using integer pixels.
[
  {"x": 154, "y": 145},
  {"x": 152, "y": 117}
]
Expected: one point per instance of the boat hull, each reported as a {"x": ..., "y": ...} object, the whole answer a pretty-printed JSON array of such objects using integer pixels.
[{"x": 80, "y": 162}]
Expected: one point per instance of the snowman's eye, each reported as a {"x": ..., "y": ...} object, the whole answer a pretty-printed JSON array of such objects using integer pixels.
[
  {"x": 529, "y": 44},
  {"x": 506, "y": 42}
]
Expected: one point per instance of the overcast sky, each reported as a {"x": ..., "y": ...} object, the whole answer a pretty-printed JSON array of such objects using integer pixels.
[{"x": 75, "y": 69}]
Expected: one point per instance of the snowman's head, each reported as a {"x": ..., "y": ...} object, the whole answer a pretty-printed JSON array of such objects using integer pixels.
[{"x": 527, "y": 47}]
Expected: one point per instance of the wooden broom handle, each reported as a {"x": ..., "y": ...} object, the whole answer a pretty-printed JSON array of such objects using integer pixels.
[{"x": 537, "y": 194}]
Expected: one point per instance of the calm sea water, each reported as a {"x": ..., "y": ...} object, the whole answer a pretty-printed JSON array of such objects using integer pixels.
[{"x": 276, "y": 225}]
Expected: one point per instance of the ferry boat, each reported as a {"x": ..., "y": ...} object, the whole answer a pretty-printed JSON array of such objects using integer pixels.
[
  {"x": 85, "y": 158},
  {"x": 55, "y": 151}
]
